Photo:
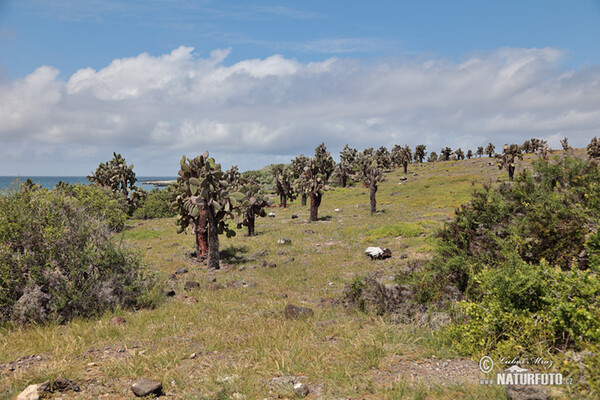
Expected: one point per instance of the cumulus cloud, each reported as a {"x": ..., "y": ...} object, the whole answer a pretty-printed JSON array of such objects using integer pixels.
[{"x": 260, "y": 108}]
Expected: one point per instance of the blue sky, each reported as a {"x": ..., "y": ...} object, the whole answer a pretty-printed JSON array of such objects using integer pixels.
[{"x": 260, "y": 82}]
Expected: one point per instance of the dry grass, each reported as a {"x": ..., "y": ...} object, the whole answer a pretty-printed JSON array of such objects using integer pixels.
[{"x": 238, "y": 334}]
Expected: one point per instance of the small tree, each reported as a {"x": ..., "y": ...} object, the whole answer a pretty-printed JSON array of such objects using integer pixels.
[
  {"x": 371, "y": 175},
  {"x": 460, "y": 155},
  {"x": 469, "y": 154},
  {"x": 490, "y": 150},
  {"x": 347, "y": 165},
  {"x": 508, "y": 158},
  {"x": 479, "y": 151},
  {"x": 433, "y": 157},
  {"x": 593, "y": 149},
  {"x": 446, "y": 153},
  {"x": 315, "y": 178},
  {"x": 202, "y": 200},
  {"x": 420, "y": 152}
]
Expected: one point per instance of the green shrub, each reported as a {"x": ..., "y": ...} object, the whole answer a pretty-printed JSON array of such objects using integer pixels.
[
  {"x": 156, "y": 204},
  {"x": 98, "y": 201},
  {"x": 58, "y": 259}
]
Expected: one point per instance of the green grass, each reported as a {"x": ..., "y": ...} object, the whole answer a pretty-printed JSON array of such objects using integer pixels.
[{"x": 240, "y": 331}]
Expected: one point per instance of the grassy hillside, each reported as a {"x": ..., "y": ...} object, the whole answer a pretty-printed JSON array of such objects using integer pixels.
[{"x": 234, "y": 340}]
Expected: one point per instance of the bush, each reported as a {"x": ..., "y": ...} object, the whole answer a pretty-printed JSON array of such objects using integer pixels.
[
  {"x": 57, "y": 259},
  {"x": 98, "y": 201},
  {"x": 156, "y": 204}
]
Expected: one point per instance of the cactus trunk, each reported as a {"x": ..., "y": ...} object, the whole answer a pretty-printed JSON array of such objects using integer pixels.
[
  {"x": 344, "y": 179},
  {"x": 511, "y": 172},
  {"x": 213, "y": 242},
  {"x": 372, "y": 191},
  {"x": 405, "y": 170},
  {"x": 303, "y": 200},
  {"x": 315, "y": 202},
  {"x": 251, "y": 226}
]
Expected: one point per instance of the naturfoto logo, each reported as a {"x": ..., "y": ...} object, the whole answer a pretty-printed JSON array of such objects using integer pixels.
[{"x": 516, "y": 374}]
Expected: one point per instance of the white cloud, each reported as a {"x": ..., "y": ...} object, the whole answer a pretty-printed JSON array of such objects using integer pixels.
[{"x": 182, "y": 103}]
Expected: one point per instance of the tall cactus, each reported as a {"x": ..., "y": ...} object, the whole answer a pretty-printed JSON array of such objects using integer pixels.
[
  {"x": 420, "y": 152},
  {"x": 296, "y": 169},
  {"x": 508, "y": 158},
  {"x": 490, "y": 149},
  {"x": 445, "y": 153},
  {"x": 593, "y": 149},
  {"x": 469, "y": 154},
  {"x": 283, "y": 185},
  {"x": 314, "y": 179},
  {"x": 402, "y": 156},
  {"x": 460, "y": 155},
  {"x": 202, "y": 200},
  {"x": 479, "y": 151},
  {"x": 252, "y": 204},
  {"x": 347, "y": 165},
  {"x": 370, "y": 173},
  {"x": 384, "y": 159},
  {"x": 119, "y": 178}
]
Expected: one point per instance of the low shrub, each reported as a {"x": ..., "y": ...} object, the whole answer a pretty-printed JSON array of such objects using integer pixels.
[
  {"x": 155, "y": 204},
  {"x": 58, "y": 260}
]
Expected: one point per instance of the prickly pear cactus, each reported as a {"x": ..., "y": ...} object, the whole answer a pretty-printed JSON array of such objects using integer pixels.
[
  {"x": 508, "y": 158},
  {"x": 420, "y": 152},
  {"x": 252, "y": 202},
  {"x": 314, "y": 179},
  {"x": 371, "y": 175},
  {"x": 347, "y": 166},
  {"x": 593, "y": 149},
  {"x": 202, "y": 199}
]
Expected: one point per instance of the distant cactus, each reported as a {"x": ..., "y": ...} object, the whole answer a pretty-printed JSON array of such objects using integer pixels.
[
  {"x": 507, "y": 160},
  {"x": 384, "y": 159},
  {"x": 593, "y": 149},
  {"x": 314, "y": 179},
  {"x": 542, "y": 148},
  {"x": 347, "y": 165},
  {"x": 420, "y": 152},
  {"x": 565, "y": 144},
  {"x": 479, "y": 151},
  {"x": 469, "y": 154},
  {"x": 460, "y": 155},
  {"x": 296, "y": 169},
  {"x": 402, "y": 156},
  {"x": 251, "y": 205},
  {"x": 490, "y": 150},
  {"x": 370, "y": 173},
  {"x": 202, "y": 199},
  {"x": 233, "y": 175},
  {"x": 433, "y": 157},
  {"x": 446, "y": 152},
  {"x": 527, "y": 147},
  {"x": 283, "y": 185},
  {"x": 118, "y": 177}
]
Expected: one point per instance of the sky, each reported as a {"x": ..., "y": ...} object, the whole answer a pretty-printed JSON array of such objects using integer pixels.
[{"x": 260, "y": 82}]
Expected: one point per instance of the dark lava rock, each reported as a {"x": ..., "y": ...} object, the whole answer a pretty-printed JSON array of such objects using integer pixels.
[
  {"x": 181, "y": 271},
  {"x": 293, "y": 312},
  {"x": 169, "y": 292},
  {"x": 145, "y": 387},
  {"x": 294, "y": 216},
  {"x": 527, "y": 392},
  {"x": 191, "y": 285},
  {"x": 63, "y": 385}
]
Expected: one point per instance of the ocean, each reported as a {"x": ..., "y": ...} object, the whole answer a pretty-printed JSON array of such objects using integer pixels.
[{"x": 50, "y": 181}]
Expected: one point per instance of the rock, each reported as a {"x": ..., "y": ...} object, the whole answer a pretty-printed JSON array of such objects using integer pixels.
[
  {"x": 337, "y": 209},
  {"x": 169, "y": 292},
  {"x": 190, "y": 300},
  {"x": 293, "y": 312},
  {"x": 271, "y": 215},
  {"x": 527, "y": 392},
  {"x": 272, "y": 265},
  {"x": 294, "y": 216},
  {"x": 117, "y": 320},
  {"x": 403, "y": 178},
  {"x": 284, "y": 241},
  {"x": 32, "y": 392},
  {"x": 63, "y": 385},
  {"x": 145, "y": 387},
  {"x": 301, "y": 389},
  {"x": 181, "y": 271},
  {"x": 191, "y": 285},
  {"x": 378, "y": 253},
  {"x": 173, "y": 277},
  {"x": 215, "y": 286}
]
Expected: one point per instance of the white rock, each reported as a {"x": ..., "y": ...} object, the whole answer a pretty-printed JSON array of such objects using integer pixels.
[
  {"x": 272, "y": 215},
  {"x": 32, "y": 392}
]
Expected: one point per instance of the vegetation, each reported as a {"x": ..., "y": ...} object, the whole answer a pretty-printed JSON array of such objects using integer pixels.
[
  {"x": 202, "y": 200},
  {"x": 58, "y": 259},
  {"x": 370, "y": 175},
  {"x": 420, "y": 152},
  {"x": 346, "y": 167},
  {"x": 508, "y": 159},
  {"x": 314, "y": 180},
  {"x": 433, "y": 157},
  {"x": 445, "y": 153},
  {"x": 283, "y": 185},
  {"x": 155, "y": 204},
  {"x": 490, "y": 149},
  {"x": 252, "y": 205},
  {"x": 593, "y": 149}
]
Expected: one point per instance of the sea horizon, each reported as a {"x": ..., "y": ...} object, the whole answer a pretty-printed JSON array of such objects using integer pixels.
[{"x": 49, "y": 181}]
